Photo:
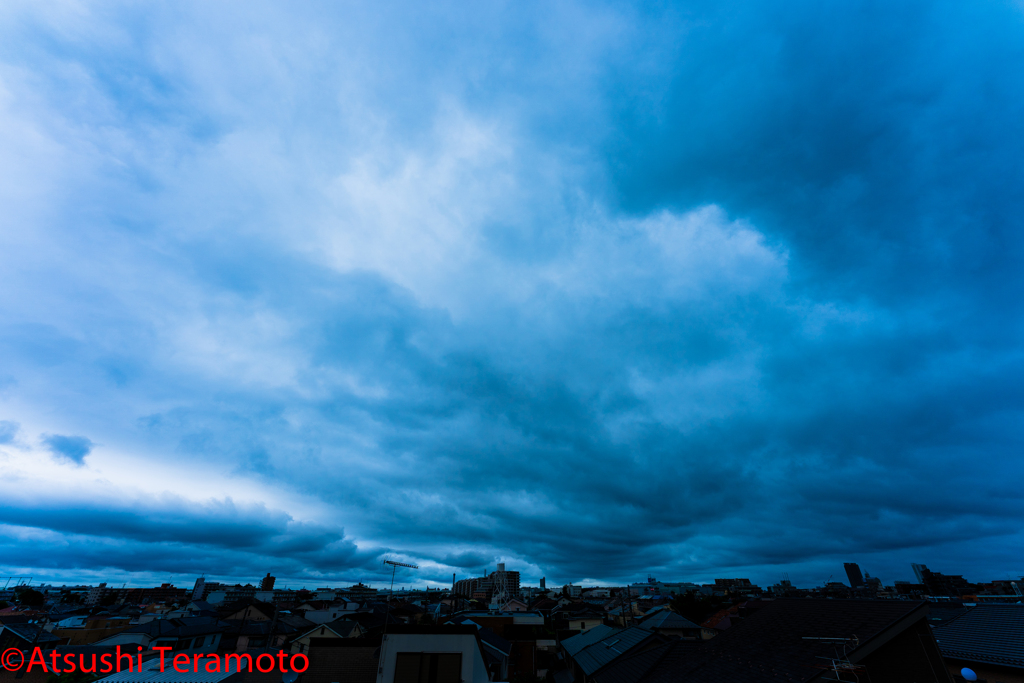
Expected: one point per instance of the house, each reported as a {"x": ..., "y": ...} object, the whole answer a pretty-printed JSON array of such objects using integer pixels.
[
  {"x": 195, "y": 608},
  {"x": 515, "y": 605},
  {"x": 432, "y": 654},
  {"x": 189, "y": 634},
  {"x": 26, "y": 636},
  {"x": 79, "y": 653},
  {"x": 247, "y": 609},
  {"x": 240, "y": 636},
  {"x": 342, "y": 628},
  {"x": 668, "y": 623},
  {"x": 498, "y": 621},
  {"x": 590, "y": 656},
  {"x": 332, "y": 612},
  {"x": 88, "y": 630},
  {"x": 347, "y": 660},
  {"x": 988, "y": 639},
  {"x": 544, "y": 606},
  {"x": 576, "y": 643},
  {"x": 496, "y": 649},
  {"x": 581, "y": 618},
  {"x": 799, "y": 640},
  {"x": 150, "y": 673}
]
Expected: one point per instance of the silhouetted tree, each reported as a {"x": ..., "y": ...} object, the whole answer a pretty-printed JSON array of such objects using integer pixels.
[
  {"x": 30, "y": 597},
  {"x": 697, "y": 607}
]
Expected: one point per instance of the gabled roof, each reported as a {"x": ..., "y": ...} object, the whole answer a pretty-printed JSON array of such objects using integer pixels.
[
  {"x": 30, "y": 633},
  {"x": 340, "y": 627},
  {"x": 632, "y": 667},
  {"x": 600, "y": 654},
  {"x": 195, "y": 626},
  {"x": 295, "y": 620},
  {"x": 490, "y": 638},
  {"x": 667, "y": 619},
  {"x": 586, "y": 638},
  {"x": 775, "y": 643},
  {"x": 990, "y": 633},
  {"x": 574, "y": 607},
  {"x": 228, "y": 609}
]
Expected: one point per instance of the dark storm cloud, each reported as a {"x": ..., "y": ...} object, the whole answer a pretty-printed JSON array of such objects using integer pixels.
[
  {"x": 71, "y": 448},
  {"x": 178, "y": 536},
  {"x": 885, "y": 156},
  {"x": 743, "y": 299}
]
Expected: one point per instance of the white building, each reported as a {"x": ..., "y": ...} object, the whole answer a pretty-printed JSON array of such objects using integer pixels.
[{"x": 453, "y": 652}]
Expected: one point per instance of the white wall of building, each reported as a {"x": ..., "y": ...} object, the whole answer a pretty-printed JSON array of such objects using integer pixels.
[{"x": 473, "y": 668}]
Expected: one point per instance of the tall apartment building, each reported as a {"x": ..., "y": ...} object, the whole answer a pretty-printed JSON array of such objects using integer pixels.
[
  {"x": 483, "y": 588},
  {"x": 853, "y": 574},
  {"x": 267, "y": 582}
]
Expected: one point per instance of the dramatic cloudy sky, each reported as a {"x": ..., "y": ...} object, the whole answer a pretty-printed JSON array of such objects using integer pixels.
[{"x": 597, "y": 290}]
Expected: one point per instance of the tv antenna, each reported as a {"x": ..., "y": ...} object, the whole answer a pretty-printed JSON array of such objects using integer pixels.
[
  {"x": 387, "y": 614},
  {"x": 394, "y": 568}
]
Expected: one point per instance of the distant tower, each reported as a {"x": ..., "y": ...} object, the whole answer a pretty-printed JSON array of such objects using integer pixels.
[
  {"x": 543, "y": 583},
  {"x": 853, "y": 573},
  {"x": 919, "y": 570},
  {"x": 501, "y": 593},
  {"x": 200, "y": 587},
  {"x": 267, "y": 582}
]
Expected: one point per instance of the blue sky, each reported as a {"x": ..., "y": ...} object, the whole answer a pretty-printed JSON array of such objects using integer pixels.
[{"x": 597, "y": 290}]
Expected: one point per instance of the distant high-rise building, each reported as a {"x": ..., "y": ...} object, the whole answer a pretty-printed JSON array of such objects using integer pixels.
[
  {"x": 543, "y": 582},
  {"x": 919, "y": 571},
  {"x": 267, "y": 582},
  {"x": 853, "y": 573},
  {"x": 198, "y": 592},
  {"x": 950, "y": 585}
]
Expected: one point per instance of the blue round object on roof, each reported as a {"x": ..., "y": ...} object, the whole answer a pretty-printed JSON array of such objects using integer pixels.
[{"x": 968, "y": 674}]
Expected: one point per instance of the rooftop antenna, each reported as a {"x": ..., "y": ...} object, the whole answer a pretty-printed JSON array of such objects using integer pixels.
[
  {"x": 387, "y": 613},
  {"x": 391, "y": 593}
]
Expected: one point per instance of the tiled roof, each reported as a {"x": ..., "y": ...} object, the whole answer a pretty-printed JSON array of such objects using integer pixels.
[
  {"x": 634, "y": 666},
  {"x": 667, "y": 619},
  {"x": 354, "y": 662},
  {"x": 941, "y": 612},
  {"x": 30, "y": 632},
  {"x": 150, "y": 673},
  {"x": 769, "y": 645},
  {"x": 340, "y": 627},
  {"x": 605, "y": 651},
  {"x": 989, "y": 633},
  {"x": 578, "y": 642}
]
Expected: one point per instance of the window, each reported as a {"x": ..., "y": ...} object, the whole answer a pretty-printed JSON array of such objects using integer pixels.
[{"x": 428, "y": 667}]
